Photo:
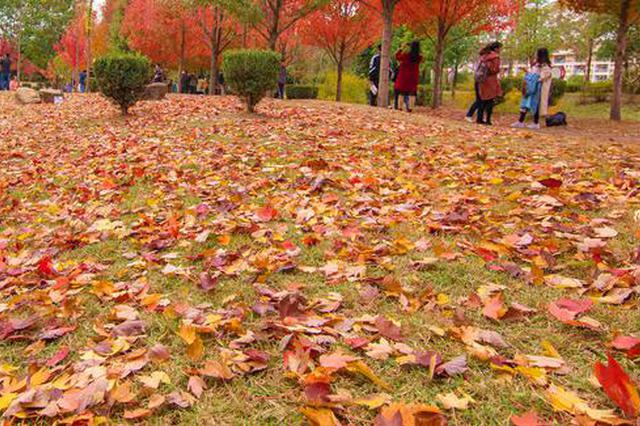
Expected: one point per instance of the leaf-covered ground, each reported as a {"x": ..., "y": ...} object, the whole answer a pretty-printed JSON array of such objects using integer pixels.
[{"x": 192, "y": 264}]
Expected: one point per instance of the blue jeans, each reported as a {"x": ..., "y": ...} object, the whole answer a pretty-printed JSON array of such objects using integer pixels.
[{"x": 4, "y": 81}]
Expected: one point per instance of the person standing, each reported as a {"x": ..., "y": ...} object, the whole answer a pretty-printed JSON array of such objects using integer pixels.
[
  {"x": 406, "y": 83},
  {"x": 184, "y": 82},
  {"x": 476, "y": 103},
  {"x": 5, "y": 71},
  {"x": 374, "y": 77},
  {"x": 282, "y": 80},
  {"x": 158, "y": 75},
  {"x": 488, "y": 83},
  {"x": 83, "y": 81},
  {"x": 537, "y": 89}
]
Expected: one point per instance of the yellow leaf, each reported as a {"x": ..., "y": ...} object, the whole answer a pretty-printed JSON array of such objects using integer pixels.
[
  {"x": 536, "y": 375},
  {"x": 188, "y": 333},
  {"x": 7, "y": 399},
  {"x": 362, "y": 368},
  {"x": 549, "y": 350},
  {"x": 196, "y": 349},
  {"x": 373, "y": 401},
  {"x": 320, "y": 416}
]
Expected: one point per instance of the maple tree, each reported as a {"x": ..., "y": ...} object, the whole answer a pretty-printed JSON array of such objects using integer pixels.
[
  {"x": 73, "y": 47},
  {"x": 220, "y": 23},
  {"x": 167, "y": 32},
  {"x": 626, "y": 12},
  {"x": 276, "y": 17},
  {"x": 437, "y": 18},
  {"x": 385, "y": 9},
  {"x": 342, "y": 29}
]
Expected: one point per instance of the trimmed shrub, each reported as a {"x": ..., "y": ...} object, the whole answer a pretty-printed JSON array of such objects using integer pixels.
[
  {"x": 355, "y": 89},
  {"x": 425, "y": 95},
  {"x": 596, "y": 92},
  {"x": 251, "y": 74},
  {"x": 574, "y": 84},
  {"x": 511, "y": 83},
  {"x": 122, "y": 77},
  {"x": 558, "y": 89},
  {"x": 301, "y": 92}
]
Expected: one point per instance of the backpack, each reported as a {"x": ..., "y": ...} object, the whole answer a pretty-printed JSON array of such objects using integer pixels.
[
  {"x": 482, "y": 72},
  {"x": 557, "y": 119}
]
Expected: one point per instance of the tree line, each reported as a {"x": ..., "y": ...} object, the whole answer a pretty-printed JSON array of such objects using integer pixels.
[{"x": 63, "y": 36}]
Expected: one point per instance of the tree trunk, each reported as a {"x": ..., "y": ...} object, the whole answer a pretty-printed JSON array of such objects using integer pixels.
[
  {"x": 453, "y": 82},
  {"x": 387, "y": 34},
  {"x": 213, "y": 78},
  {"x": 183, "y": 37},
  {"x": 19, "y": 62},
  {"x": 339, "y": 79},
  {"x": 587, "y": 71},
  {"x": 438, "y": 65},
  {"x": 89, "y": 29},
  {"x": 75, "y": 73},
  {"x": 621, "y": 48}
]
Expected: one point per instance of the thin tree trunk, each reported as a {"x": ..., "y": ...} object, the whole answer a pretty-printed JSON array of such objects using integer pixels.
[
  {"x": 387, "y": 33},
  {"x": 587, "y": 71},
  {"x": 75, "y": 73},
  {"x": 339, "y": 82},
  {"x": 438, "y": 65},
  {"x": 183, "y": 31},
  {"x": 19, "y": 62},
  {"x": 453, "y": 83},
  {"x": 89, "y": 28},
  {"x": 213, "y": 78},
  {"x": 621, "y": 48}
]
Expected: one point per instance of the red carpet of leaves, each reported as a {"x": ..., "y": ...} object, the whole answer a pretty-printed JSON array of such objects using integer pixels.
[{"x": 191, "y": 192}]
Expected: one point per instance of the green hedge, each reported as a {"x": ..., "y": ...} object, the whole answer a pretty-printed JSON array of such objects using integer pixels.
[
  {"x": 596, "y": 92},
  {"x": 558, "y": 89},
  {"x": 301, "y": 92},
  {"x": 122, "y": 77},
  {"x": 251, "y": 74},
  {"x": 425, "y": 95}
]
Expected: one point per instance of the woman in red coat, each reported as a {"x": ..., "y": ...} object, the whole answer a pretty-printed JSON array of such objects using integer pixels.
[
  {"x": 487, "y": 79},
  {"x": 408, "y": 74}
]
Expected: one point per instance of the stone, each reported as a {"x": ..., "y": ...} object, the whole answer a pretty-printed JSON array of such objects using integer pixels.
[
  {"x": 48, "y": 95},
  {"x": 26, "y": 96},
  {"x": 155, "y": 92}
]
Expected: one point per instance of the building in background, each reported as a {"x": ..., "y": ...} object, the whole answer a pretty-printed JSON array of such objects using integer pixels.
[{"x": 567, "y": 60}]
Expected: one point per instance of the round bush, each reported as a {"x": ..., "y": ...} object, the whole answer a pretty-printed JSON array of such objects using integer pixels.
[
  {"x": 250, "y": 74},
  {"x": 122, "y": 77}
]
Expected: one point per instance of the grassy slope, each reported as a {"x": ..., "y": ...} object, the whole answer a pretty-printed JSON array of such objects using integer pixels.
[{"x": 269, "y": 397}]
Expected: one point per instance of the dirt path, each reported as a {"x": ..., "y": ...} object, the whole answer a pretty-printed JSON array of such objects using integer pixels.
[{"x": 593, "y": 129}]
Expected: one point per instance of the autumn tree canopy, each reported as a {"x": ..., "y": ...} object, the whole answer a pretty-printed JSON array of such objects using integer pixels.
[{"x": 342, "y": 29}]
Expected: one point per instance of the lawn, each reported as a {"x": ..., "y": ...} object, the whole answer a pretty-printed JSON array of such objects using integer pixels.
[{"x": 315, "y": 263}]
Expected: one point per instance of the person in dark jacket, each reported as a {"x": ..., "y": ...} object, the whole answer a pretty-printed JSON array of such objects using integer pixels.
[
  {"x": 83, "y": 81},
  {"x": 406, "y": 83},
  {"x": 158, "y": 75},
  {"x": 282, "y": 80},
  {"x": 488, "y": 83},
  {"x": 5, "y": 72},
  {"x": 184, "y": 82},
  {"x": 374, "y": 77}
]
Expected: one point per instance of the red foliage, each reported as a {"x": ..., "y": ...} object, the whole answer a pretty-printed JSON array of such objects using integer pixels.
[
  {"x": 618, "y": 386},
  {"x": 165, "y": 32},
  {"x": 343, "y": 28},
  {"x": 72, "y": 47}
]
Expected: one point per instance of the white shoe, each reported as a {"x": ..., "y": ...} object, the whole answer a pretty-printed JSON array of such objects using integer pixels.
[
  {"x": 534, "y": 126},
  {"x": 517, "y": 125},
  {"x": 469, "y": 119}
]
